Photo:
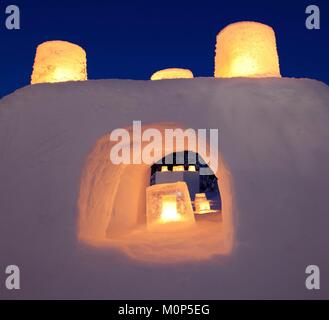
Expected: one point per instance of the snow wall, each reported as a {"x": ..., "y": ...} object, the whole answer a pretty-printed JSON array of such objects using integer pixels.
[{"x": 274, "y": 155}]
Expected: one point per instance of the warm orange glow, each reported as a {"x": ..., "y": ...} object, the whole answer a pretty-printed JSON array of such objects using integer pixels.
[
  {"x": 246, "y": 49},
  {"x": 191, "y": 168},
  {"x": 59, "y": 61},
  {"x": 168, "y": 202},
  {"x": 178, "y": 168},
  {"x": 169, "y": 209},
  {"x": 172, "y": 73},
  {"x": 202, "y": 205},
  {"x": 108, "y": 221},
  {"x": 164, "y": 169}
]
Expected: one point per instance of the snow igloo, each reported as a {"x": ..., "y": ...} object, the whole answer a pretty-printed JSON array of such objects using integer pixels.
[
  {"x": 77, "y": 223},
  {"x": 65, "y": 208}
]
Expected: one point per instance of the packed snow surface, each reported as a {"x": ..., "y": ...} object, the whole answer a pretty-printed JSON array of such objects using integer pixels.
[{"x": 274, "y": 151}]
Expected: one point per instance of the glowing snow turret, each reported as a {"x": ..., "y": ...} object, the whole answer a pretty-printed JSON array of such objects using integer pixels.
[
  {"x": 246, "y": 49},
  {"x": 59, "y": 61},
  {"x": 172, "y": 73}
]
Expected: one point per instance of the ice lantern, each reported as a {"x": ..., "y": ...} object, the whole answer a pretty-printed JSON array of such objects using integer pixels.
[
  {"x": 246, "y": 49},
  {"x": 191, "y": 168},
  {"x": 202, "y": 205},
  {"x": 178, "y": 168},
  {"x": 172, "y": 73},
  {"x": 59, "y": 61},
  {"x": 168, "y": 203}
]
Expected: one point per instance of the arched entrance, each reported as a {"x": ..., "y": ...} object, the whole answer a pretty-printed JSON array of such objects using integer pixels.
[{"x": 112, "y": 206}]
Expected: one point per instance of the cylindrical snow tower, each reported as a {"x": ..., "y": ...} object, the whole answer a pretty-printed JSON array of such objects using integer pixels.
[
  {"x": 246, "y": 49},
  {"x": 172, "y": 73},
  {"x": 59, "y": 61}
]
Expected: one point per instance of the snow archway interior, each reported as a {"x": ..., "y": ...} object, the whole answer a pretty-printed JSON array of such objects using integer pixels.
[
  {"x": 201, "y": 181},
  {"x": 112, "y": 209}
]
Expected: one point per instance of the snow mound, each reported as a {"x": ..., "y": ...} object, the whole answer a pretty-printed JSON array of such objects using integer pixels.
[{"x": 273, "y": 144}]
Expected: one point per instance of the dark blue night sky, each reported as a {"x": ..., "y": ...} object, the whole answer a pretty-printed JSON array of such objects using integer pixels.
[{"x": 132, "y": 39}]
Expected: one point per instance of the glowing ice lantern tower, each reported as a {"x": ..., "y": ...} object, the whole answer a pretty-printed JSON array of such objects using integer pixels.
[
  {"x": 59, "y": 61},
  {"x": 172, "y": 73},
  {"x": 246, "y": 49}
]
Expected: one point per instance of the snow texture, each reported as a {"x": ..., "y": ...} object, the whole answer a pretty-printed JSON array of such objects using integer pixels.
[{"x": 273, "y": 142}]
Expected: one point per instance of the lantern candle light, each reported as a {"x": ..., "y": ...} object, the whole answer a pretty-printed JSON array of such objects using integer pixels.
[
  {"x": 169, "y": 211},
  {"x": 202, "y": 205},
  {"x": 59, "y": 61},
  {"x": 164, "y": 169},
  {"x": 172, "y": 73},
  {"x": 191, "y": 168},
  {"x": 178, "y": 168},
  {"x": 168, "y": 203},
  {"x": 246, "y": 49}
]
